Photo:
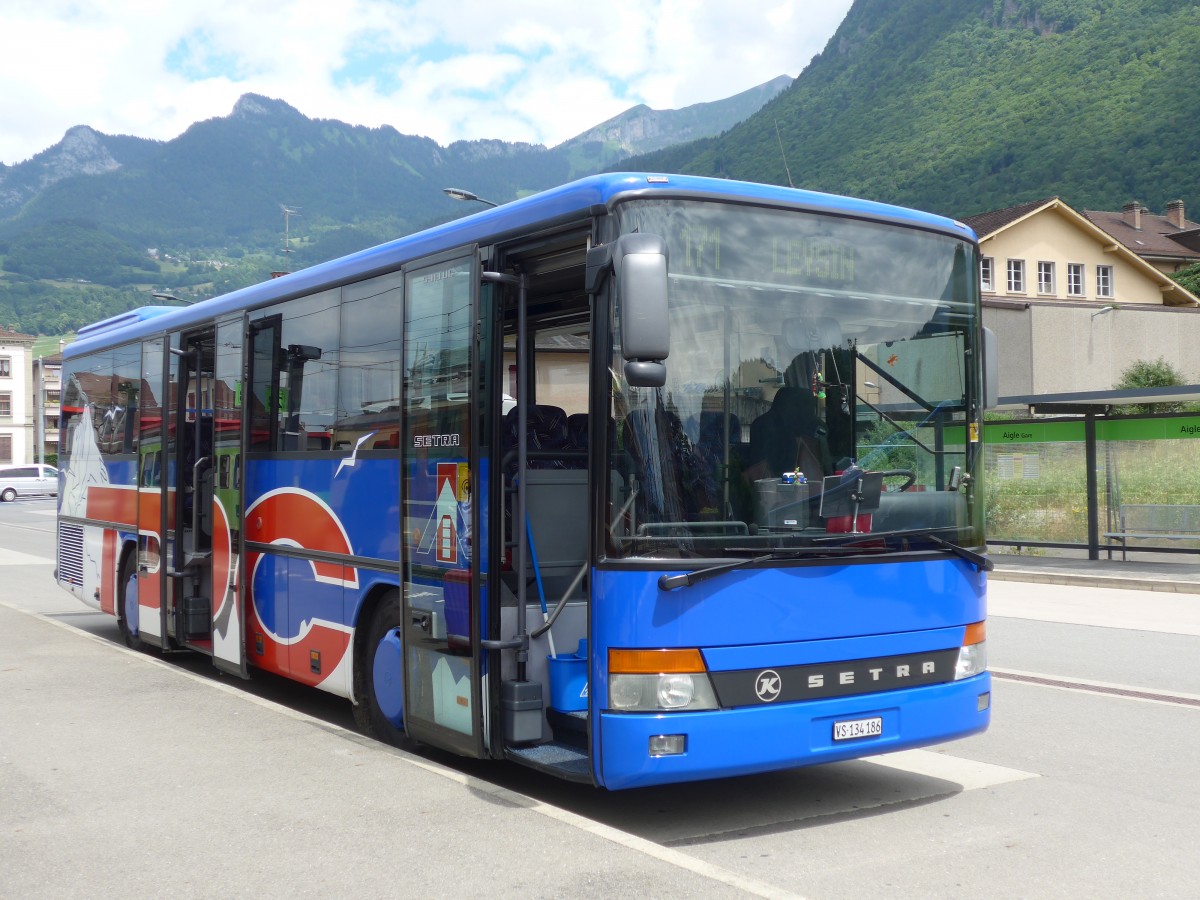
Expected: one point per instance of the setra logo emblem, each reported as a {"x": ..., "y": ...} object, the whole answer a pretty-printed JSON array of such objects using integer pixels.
[{"x": 768, "y": 685}]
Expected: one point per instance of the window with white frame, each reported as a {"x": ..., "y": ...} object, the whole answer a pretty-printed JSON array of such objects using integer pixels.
[
  {"x": 1016, "y": 276},
  {"x": 1045, "y": 278},
  {"x": 5, "y": 405},
  {"x": 6, "y": 448},
  {"x": 5, "y": 367},
  {"x": 1074, "y": 279},
  {"x": 987, "y": 274},
  {"x": 1104, "y": 282}
]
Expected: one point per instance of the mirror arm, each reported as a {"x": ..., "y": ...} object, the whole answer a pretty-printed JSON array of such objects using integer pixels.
[{"x": 599, "y": 266}]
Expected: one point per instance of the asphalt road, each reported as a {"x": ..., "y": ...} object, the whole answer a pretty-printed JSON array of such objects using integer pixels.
[{"x": 1085, "y": 785}]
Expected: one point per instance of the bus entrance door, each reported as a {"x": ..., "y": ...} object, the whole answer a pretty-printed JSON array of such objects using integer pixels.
[
  {"x": 444, "y": 703},
  {"x": 191, "y": 478},
  {"x": 225, "y": 487}
]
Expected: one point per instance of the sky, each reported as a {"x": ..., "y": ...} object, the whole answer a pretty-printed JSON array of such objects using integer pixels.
[{"x": 540, "y": 71}]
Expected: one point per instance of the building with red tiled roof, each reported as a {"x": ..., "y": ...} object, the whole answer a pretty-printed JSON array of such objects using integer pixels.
[
  {"x": 1072, "y": 305},
  {"x": 1169, "y": 242}
]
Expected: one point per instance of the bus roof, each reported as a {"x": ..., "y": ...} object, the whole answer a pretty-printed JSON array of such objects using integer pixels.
[{"x": 594, "y": 194}]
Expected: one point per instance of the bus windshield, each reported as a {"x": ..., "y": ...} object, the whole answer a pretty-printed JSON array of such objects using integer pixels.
[{"x": 817, "y": 389}]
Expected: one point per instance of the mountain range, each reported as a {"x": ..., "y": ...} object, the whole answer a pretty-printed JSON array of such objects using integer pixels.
[
  {"x": 224, "y": 176},
  {"x": 91, "y": 225}
]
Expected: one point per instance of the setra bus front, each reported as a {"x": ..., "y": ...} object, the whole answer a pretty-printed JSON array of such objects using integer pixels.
[{"x": 792, "y": 568}]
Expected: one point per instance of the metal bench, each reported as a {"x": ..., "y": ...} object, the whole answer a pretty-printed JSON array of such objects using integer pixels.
[{"x": 1163, "y": 521}]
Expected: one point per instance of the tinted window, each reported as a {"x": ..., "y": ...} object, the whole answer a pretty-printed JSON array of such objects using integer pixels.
[
  {"x": 369, "y": 386},
  {"x": 306, "y": 353}
]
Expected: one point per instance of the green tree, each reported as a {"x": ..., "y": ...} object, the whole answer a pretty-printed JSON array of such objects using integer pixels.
[
  {"x": 1189, "y": 278},
  {"x": 1147, "y": 374}
]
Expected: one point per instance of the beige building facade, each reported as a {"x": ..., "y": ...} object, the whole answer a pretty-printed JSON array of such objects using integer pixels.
[
  {"x": 16, "y": 397},
  {"x": 1072, "y": 307}
]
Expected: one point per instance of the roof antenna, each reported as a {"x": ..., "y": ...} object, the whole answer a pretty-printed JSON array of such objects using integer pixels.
[{"x": 782, "y": 153}]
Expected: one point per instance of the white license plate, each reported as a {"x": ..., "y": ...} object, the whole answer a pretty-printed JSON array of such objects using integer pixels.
[{"x": 858, "y": 728}]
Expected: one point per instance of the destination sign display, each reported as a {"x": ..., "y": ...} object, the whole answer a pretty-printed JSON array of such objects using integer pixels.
[{"x": 798, "y": 249}]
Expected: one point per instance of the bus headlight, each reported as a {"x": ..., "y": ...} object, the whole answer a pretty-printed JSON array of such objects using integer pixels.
[
  {"x": 666, "y": 692},
  {"x": 972, "y": 656},
  {"x": 675, "y": 691},
  {"x": 658, "y": 681}
]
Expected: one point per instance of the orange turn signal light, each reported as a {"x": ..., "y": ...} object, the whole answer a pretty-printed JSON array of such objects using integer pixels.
[
  {"x": 976, "y": 634},
  {"x": 654, "y": 662}
]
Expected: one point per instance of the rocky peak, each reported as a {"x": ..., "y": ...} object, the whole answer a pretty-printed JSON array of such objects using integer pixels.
[
  {"x": 80, "y": 152},
  {"x": 255, "y": 105}
]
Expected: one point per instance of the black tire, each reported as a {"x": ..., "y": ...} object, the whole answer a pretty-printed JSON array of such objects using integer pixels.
[
  {"x": 9, "y": 495},
  {"x": 128, "y": 577},
  {"x": 369, "y": 714}
]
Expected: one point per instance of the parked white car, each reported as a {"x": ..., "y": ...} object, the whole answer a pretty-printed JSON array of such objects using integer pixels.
[{"x": 27, "y": 481}]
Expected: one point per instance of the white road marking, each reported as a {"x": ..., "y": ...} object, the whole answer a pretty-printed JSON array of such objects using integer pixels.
[
  {"x": 1103, "y": 688},
  {"x": 970, "y": 774}
]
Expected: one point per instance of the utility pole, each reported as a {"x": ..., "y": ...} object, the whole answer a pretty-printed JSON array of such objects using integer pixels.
[{"x": 288, "y": 212}]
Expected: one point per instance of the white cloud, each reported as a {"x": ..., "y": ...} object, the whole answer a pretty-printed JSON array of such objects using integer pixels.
[{"x": 531, "y": 70}]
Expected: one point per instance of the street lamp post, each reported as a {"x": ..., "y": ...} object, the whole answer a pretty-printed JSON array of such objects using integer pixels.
[
  {"x": 460, "y": 194},
  {"x": 39, "y": 410}
]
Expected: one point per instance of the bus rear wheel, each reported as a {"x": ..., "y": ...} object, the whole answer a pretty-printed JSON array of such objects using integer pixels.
[
  {"x": 127, "y": 603},
  {"x": 379, "y": 675}
]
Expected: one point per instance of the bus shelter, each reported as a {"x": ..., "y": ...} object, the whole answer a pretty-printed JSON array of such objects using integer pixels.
[{"x": 1083, "y": 473}]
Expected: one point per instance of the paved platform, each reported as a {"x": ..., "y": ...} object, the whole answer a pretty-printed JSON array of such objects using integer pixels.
[
  {"x": 1182, "y": 577},
  {"x": 124, "y": 776}
]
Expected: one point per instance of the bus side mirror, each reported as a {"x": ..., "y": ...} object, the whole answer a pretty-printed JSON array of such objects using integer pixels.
[
  {"x": 640, "y": 269},
  {"x": 991, "y": 370}
]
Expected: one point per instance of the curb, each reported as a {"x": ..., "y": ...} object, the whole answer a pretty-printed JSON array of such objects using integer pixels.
[{"x": 1100, "y": 581}]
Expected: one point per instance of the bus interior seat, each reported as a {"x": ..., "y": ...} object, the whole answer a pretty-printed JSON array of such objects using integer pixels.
[
  {"x": 577, "y": 440},
  {"x": 709, "y": 429},
  {"x": 545, "y": 430}
]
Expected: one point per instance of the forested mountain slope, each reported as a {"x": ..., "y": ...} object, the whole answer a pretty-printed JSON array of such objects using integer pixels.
[{"x": 978, "y": 104}]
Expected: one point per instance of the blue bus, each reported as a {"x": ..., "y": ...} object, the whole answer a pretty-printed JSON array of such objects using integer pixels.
[{"x": 643, "y": 479}]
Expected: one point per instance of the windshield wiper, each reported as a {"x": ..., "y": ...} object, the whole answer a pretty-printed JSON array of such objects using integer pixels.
[
  {"x": 978, "y": 560},
  {"x": 687, "y": 579},
  {"x": 981, "y": 562}
]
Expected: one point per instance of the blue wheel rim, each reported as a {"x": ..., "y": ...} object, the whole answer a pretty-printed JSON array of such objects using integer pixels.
[
  {"x": 387, "y": 677},
  {"x": 131, "y": 605}
]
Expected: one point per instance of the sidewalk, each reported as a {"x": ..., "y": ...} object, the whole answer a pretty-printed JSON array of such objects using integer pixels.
[
  {"x": 1182, "y": 577},
  {"x": 124, "y": 776}
]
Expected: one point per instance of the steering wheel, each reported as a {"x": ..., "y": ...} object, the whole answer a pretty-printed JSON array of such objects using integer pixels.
[{"x": 910, "y": 477}]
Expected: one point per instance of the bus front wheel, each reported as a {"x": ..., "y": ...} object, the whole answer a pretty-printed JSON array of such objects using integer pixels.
[
  {"x": 379, "y": 676},
  {"x": 127, "y": 602}
]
